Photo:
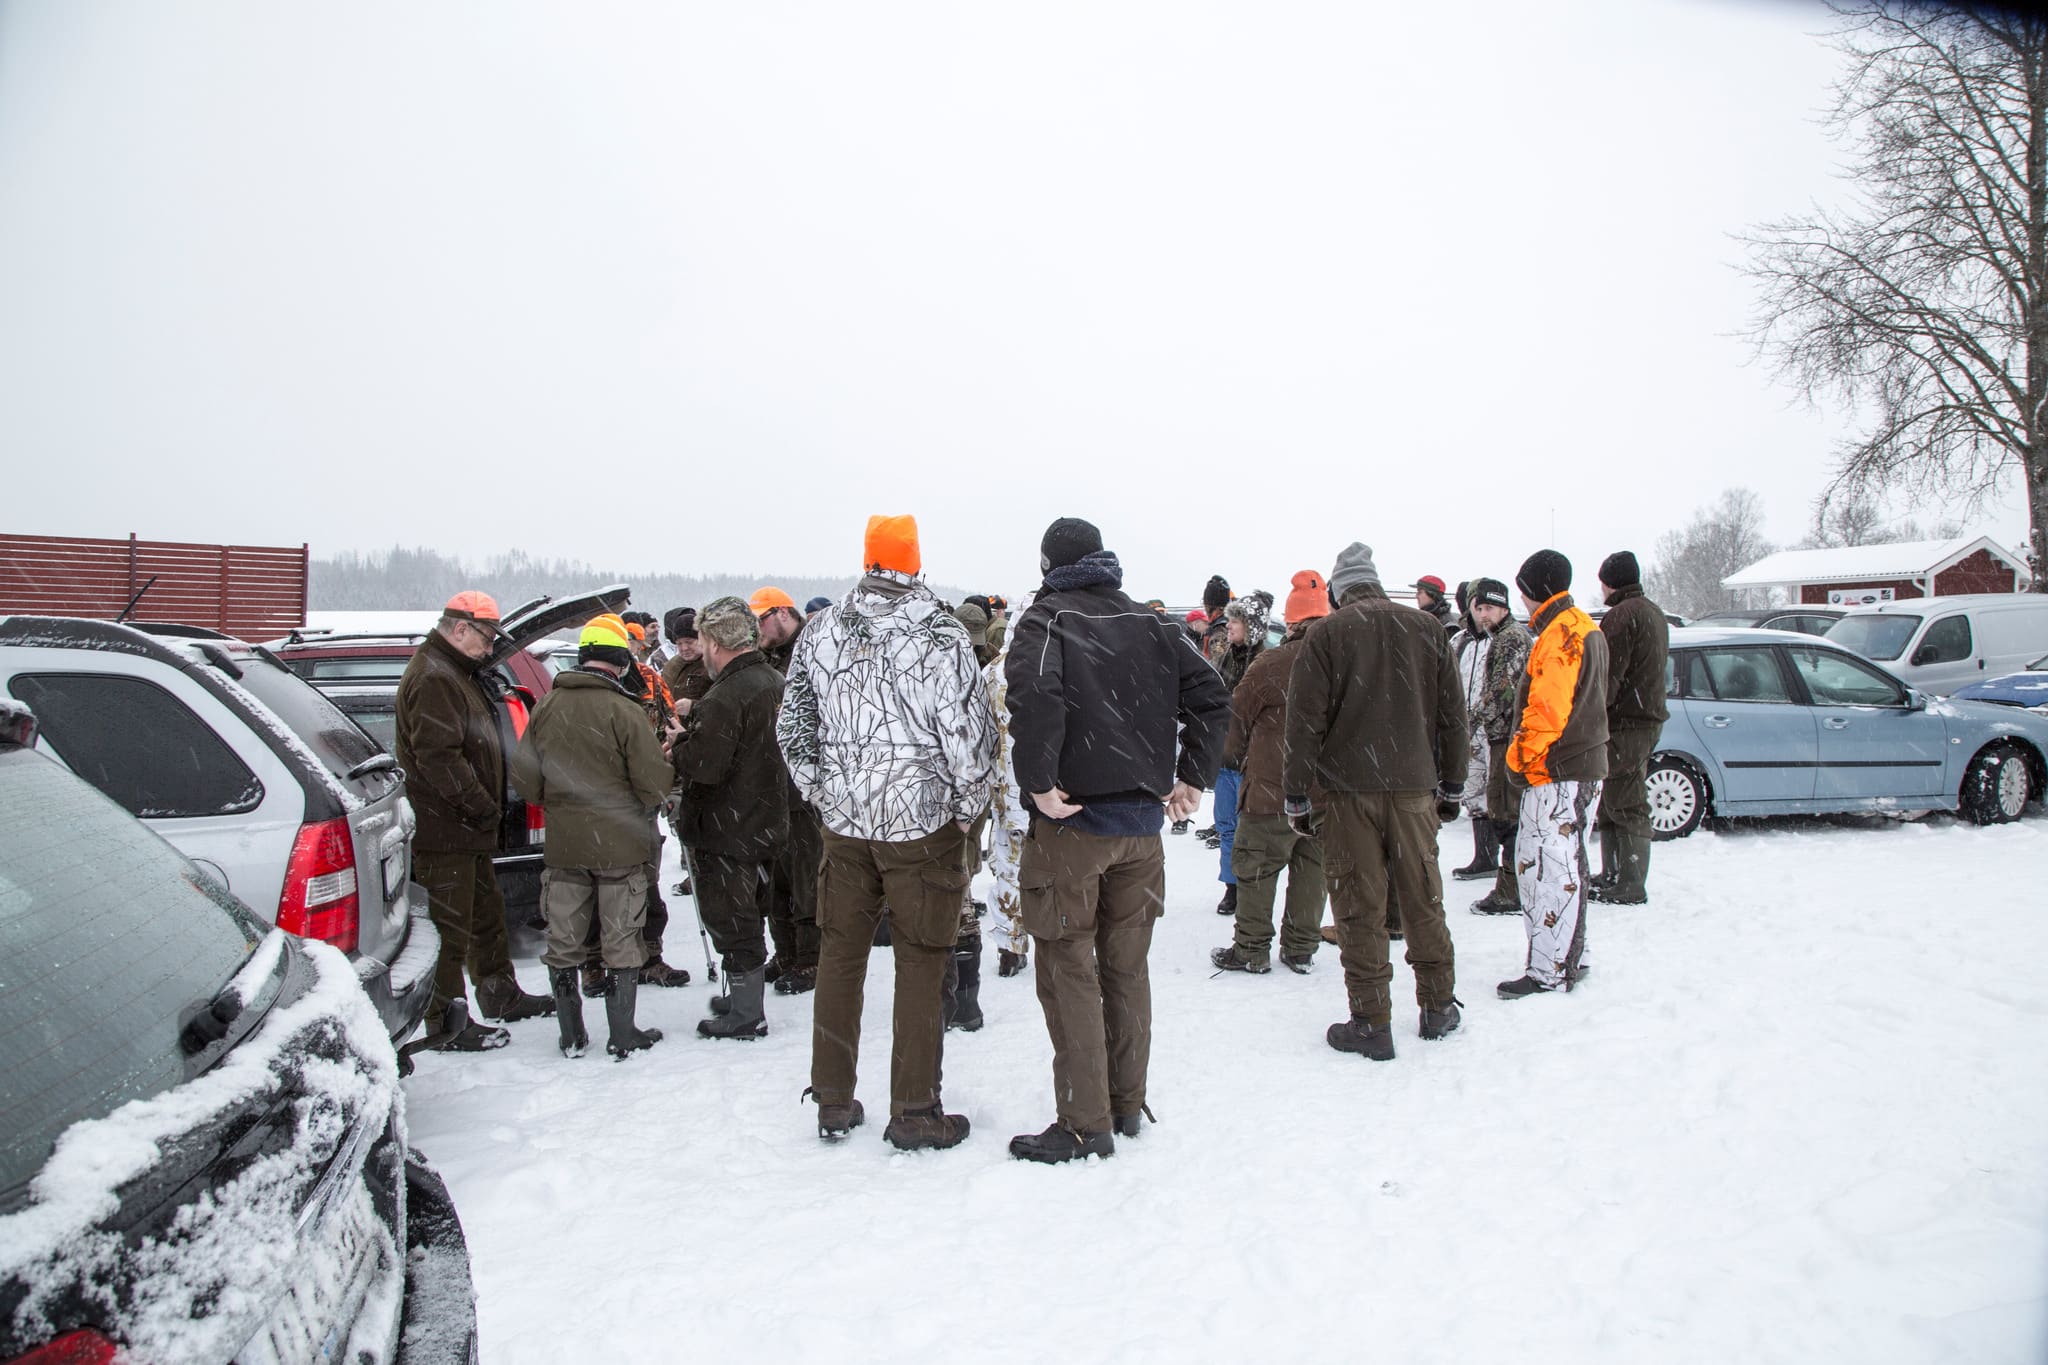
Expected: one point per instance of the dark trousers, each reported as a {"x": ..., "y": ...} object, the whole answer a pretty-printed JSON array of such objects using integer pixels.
[
  {"x": 1090, "y": 902},
  {"x": 467, "y": 908},
  {"x": 1377, "y": 847},
  {"x": 922, "y": 882},
  {"x": 1624, "y": 803},
  {"x": 793, "y": 904},
  {"x": 1267, "y": 846},
  {"x": 732, "y": 896}
]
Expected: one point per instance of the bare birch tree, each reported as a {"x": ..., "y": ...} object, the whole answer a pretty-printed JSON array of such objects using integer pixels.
[
  {"x": 1686, "y": 571},
  {"x": 1925, "y": 302}
]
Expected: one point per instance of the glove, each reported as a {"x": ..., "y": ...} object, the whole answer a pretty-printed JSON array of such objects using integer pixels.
[
  {"x": 1009, "y": 963},
  {"x": 1447, "y": 794},
  {"x": 1300, "y": 818}
]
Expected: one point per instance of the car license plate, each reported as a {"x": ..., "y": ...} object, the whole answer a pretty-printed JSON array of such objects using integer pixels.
[{"x": 307, "y": 1324}]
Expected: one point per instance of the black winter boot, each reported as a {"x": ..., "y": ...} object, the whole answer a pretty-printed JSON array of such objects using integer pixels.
[
  {"x": 797, "y": 981},
  {"x": 1128, "y": 1125},
  {"x": 569, "y": 1011},
  {"x": 1009, "y": 963},
  {"x": 1610, "y": 862},
  {"x": 1368, "y": 1040},
  {"x": 966, "y": 1012},
  {"x": 618, "y": 1012},
  {"x": 596, "y": 985},
  {"x": 1485, "y": 847},
  {"x": 499, "y": 997},
  {"x": 1236, "y": 959},
  {"x": 743, "y": 1016},
  {"x": 926, "y": 1129},
  {"x": 1228, "y": 905},
  {"x": 1438, "y": 1021},
  {"x": 835, "y": 1121},
  {"x": 1061, "y": 1143}
]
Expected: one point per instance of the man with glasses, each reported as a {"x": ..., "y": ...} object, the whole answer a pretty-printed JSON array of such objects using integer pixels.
[{"x": 450, "y": 746}]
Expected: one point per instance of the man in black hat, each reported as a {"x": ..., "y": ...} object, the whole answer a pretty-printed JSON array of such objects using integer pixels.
[
  {"x": 1115, "y": 724},
  {"x": 1638, "y": 640}
]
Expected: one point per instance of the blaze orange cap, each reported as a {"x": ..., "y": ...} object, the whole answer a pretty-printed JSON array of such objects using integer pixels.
[
  {"x": 766, "y": 600},
  {"x": 1310, "y": 598},
  {"x": 892, "y": 544},
  {"x": 472, "y": 606},
  {"x": 636, "y": 630}
]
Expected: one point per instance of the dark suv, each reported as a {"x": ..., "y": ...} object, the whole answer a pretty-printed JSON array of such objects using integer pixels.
[{"x": 360, "y": 673}]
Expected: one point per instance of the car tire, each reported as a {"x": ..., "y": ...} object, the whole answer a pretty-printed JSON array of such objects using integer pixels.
[
  {"x": 1996, "y": 786},
  {"x": 1678, "y": 797}
]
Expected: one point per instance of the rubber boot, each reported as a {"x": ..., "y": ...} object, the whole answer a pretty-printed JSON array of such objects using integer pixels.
[
  {"x": 1610, "y": 861},
  {"x": 569, "y": 1011},
  {"x": 966, "y": 1012},
  {"x": 1506, "y": 896},
  {"x": 744, "y": 1016},
  {"x": 500, "y": 998},
  {"x": 618, "y": 1012},
  {"x": 1632, "y": 868},
  {"x": 1485, "y": 844}
]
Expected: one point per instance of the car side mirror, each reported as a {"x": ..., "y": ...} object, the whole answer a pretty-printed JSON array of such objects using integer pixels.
[
  {"x": 1923, "y": 655},
  {"x": 1916, "y": 700}
]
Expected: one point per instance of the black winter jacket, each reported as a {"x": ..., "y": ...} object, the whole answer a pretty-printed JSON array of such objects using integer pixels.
[
  {"x": 733, "y": 781},
  {"x": 1098, "y": 685},
  {"x": 1638, "y": 639}
]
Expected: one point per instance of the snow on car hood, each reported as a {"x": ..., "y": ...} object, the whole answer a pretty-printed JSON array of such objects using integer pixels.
[{"x": 197, "y": 1287}]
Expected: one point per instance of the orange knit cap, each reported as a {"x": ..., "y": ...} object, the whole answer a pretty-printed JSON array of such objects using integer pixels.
[
  {"x": 766, "y": 600},
  {"x": 636, "y": 630},
  {"x": 1310, "y": 598},
  {"x": 606, "y": 630},
  {"x": 892, "y": 544}
]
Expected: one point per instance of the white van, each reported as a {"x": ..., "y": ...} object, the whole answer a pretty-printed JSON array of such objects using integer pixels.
[{"x": 1938, "y": 644}]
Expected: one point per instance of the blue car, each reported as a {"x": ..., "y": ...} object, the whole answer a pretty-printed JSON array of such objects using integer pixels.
[
  {"x": 1766, "y": 723},
  {"x": 2028, "y": 688}
]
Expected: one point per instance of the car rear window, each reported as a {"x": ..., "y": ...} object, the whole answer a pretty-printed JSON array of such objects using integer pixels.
[
  {"x": 139, "y": 744},
  {"x": 379, "y": 668},
  {"x": 1875, "y": 636},
  {"x": 376, "y": 718},
  {"x": 106, "y": 936},
  {"x": 339, "y": 743}
]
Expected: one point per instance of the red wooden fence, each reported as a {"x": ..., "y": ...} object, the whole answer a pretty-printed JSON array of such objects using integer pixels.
[{"x": 256, "y": 592}]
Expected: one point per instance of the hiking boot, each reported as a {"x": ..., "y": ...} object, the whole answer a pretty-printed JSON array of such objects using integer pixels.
[
  {"x": 743, "y": 1016},
  {"x": 1232, "y": 960},
  {"x": 835, "y": 1121},
  {"x": 472, "y": 1037},
  {"x": 1207, "y": 832},
  {"x": 796, "y": 980},
  {"x": 1211, "y": 840},
  {"x": 499, "y": 997},
  {"x": 659, "y": 973},
  {"x": 1228, "y": 905},
  {"x": 772, "y": 973},
  {"x": 596, "y": 985},
  {"x": 569, "y": 1011},
  {"x": 1182, "y": 826},
  {"x": 1494, "y": 903},
  {"x": 1009, "y": 963},
  {"x": 1613, "y": 893},
  {"x": 1129, "y": 1125},
  {"x": 626, "y": 1037},
  {"x": 966, "y": 1012},
  {"x": 1521, "y": 988},
  {"x": 1061, "y": 1143},
  {"x": 1438, "y": 1021},
  {"x": 1368, "y": 1040},
  {"x": 683, "y": 887},
  {"x": 1298, "y": 963},
  {"x": 922, "y": 1129}
]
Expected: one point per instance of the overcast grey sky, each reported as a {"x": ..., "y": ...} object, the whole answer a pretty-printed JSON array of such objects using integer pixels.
[{"x": 698, "y": 286}]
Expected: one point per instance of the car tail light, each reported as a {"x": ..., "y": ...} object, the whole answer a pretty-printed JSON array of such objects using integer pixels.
[
  {"x": 319, "y": 899},
  {"x": 73, "y": 1348},
  {"x": 536, "y": 824}
]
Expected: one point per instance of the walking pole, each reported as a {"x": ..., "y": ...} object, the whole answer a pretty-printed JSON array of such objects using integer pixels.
[{"x": 690, "y": 865}]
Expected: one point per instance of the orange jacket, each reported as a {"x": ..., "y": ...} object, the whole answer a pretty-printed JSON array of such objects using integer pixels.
[{"x": 1562, "y": 700}]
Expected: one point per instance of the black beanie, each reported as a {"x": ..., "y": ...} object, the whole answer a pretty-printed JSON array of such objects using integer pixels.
[
  {"x": 621, "y": 659},
  {"x": 1216, "y": 596},
  {"x": 1490, "y": 592},
  {"x": 1066, "y": 540},
  {"x": 1619, "y": 570},
  {"x": 1544, "y": 575},
  {"x": 680, "y": 624}
]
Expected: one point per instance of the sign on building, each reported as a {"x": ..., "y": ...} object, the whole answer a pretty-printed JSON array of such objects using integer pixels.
[{"x": 1859, "y": 597}]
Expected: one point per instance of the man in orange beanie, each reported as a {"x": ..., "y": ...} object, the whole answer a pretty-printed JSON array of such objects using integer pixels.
[{"x": 793, "y": 889}]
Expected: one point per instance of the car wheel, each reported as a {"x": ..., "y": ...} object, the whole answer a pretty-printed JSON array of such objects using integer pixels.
[
  {"x": 1678, "y": 797},
  {"x": 1997, "y": 786}
]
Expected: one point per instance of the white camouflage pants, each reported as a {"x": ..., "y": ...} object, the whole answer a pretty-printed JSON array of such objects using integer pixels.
[
  {"x": 1474, "y": 799},
  {"x": 1008, "y": 824},
  {"x": 1551, "y": 872}
]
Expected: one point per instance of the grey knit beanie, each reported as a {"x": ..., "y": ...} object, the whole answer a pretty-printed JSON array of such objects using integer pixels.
[{"x": 1354, "y": 570}]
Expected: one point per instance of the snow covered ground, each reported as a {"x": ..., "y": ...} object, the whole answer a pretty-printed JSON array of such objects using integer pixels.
[{"x": 1799, "y": 1112}]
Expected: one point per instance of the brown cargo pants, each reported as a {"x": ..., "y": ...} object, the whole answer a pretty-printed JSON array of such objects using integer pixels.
[
  {"x": 921, "y": 881},
  {"x": 615, "y": 897},
  {"x": 1266, "y": 846},
  {"x": 468, "y": 910},
  {"x": 1378, "y": 845},
  {"x": 1624, "y": 803},
  {"x": 1090, "y": 903}
]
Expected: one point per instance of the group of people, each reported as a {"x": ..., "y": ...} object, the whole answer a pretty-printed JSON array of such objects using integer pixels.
[{"x": 837, "y": 775}]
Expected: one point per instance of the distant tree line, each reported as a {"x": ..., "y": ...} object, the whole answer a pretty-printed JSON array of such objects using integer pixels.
[{"x": 401, "y": 579}]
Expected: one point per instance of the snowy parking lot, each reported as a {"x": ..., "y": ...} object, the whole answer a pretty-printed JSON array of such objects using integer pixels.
[{"x": 1797, "y": 1113}]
